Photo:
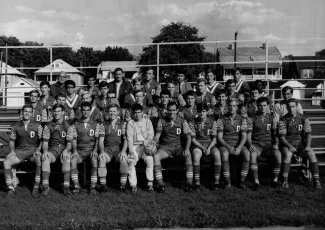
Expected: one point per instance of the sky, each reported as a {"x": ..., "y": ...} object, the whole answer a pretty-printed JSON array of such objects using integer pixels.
[{"x": 294, "y": 26}]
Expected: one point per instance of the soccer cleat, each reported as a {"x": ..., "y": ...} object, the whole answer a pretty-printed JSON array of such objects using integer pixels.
[
  {"x": 92, "y": 191},
  {"x": 160, "y": 189},
  {"x": 76, "y": 191},
  {"x": 275, "y": 184},
  {"x": 242, "y": 185},
  {"x": 188, "y": 188},
  {"x": 216, "y": 187},
  {"x": 318, "y": 185},
  {"x": 45, "y": 192},
  {"x": 66, "y": 191},
  {"x": 134, "y": 190},
  {"x": 11, "y": 192},
  {"x": 197, "y": 187},
  {"x": 285, "y": 185},
  {"x": 35, "y": 193},
  {"x": 104, "y": 189},
  {"x": 150, "y": 188},
  {"x": 123, "y": 189},
  {"x": 227, "y": 187}
]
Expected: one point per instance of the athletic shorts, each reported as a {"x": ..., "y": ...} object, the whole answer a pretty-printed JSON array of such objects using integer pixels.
[
  {"x": 204, "y": 144},
  {"x": 56, "y": 150},
  {"x": 263, "y": 147},
  {"x": 172, "y": 150},
  {"x": 84, "y": 154},
  {"x": 113, "y": 151},
  {"x": 25, "y": 153},
  {"x": 233, "y": 143},
  {"x": 300, "y": 146}
]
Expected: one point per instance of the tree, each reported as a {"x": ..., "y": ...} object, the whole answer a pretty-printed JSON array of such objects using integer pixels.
[
  {"x": 66, "y": 54},
  {"x": 89, "y": 58},
  {"x": 116, "y": 54},
  {"x": 172, "y": 54},
  {"x": 320, "y": 53}
]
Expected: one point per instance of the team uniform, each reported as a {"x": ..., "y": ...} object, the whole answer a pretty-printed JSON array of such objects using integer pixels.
[
  {"x": 219, "y": 111},
  {"x": 94, "y": 91},
  {"x": 242, "y": 87},
  {"x": 130, "y": 99},
  {"x": 27, "y": 139},
  {"x": 139, "y": 133},
  {"x": 152, "y": 87},
  {"x": 74, "y": 102},
  {"x": 280, "y": 109},
  {"x": 69, "y": 113},
  {"x": 86, "y": 136},
  {"x": 46, "y": 108},
  {"x": 251, "y": 108},
  {"x": 189, "y": 114},
  {"x": 204, "y": 132},
  {"x": 205, "y": 98},
  {"x": 214, "y": 88},
  {"x": 232, "y": 130},
  {"x": 95, "y": 114},
  {"x": 178, "y": 98},
  {"x": 114, "y": 134}
]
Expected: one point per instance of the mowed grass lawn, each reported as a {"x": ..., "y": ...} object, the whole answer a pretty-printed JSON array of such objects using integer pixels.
[{"x": 299, "y": 206}]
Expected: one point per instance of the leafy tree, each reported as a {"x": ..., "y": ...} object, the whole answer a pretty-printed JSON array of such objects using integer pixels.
[
  {"x": 320, "y": 53},
  {"x": 172, "y": 54},
  {"x": 87, "y": 57},
  {"x": 116, "y": 54}
]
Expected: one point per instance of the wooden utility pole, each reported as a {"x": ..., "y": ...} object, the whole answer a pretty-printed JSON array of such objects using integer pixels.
[{"x": 235, "y": 51}]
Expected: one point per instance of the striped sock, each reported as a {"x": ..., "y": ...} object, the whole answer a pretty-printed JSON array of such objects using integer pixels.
[
  {"x": 158, "y": 174},
  {"x": 226, "y": 172},
  {"x": 217, "y": 170},
  {"x": 102, "y": 172},
  {"x": 74, "y": 177},
  {"x": 244, "y": 170},
  {"x": 314, "y": 170},
  {"x": 45, "y": 179},
  {"x": 254, "y": 168},
  {"x": 8, "y": 178},
  {"x": 37, "y": 177},
  {"x": 285, "y": 172},
  {"x": 197, "y": 174},
  {"x": 66, "y": 178},
  {"x": 189, "y": 173},
  {"x": 276, "y": 171},
  {"x": 93, "y": 177}
]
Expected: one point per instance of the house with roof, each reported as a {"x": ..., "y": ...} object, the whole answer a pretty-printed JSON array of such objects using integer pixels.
[
  {"x": 250, "y": 70},
  {"x": 18, "y": 92},
  {"x": 50, "y": 73},
  {"x": 12, "y": 75},
  {"x": 105, "y": 70}
]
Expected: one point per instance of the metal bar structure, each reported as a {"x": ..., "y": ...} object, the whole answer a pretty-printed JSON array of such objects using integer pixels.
[
  {"x": 6, "y": 76},
  {"x": 51, "y": 61},
  {"x": 158, "y": 61}
]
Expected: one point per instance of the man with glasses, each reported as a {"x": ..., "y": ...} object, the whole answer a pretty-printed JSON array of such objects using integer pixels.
[
  {"x": 73, "y": 99},
  {"x": 25, "y": 143},
  {"x": 85, "y": 146},
  {"x": 59, "y": 87}
]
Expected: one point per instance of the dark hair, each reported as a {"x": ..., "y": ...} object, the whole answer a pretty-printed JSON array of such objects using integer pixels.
[
  {"x": 237, "y": 69},
  {"x": 35, "y": 91},
  {"x": 138, "y": 91},
  {"x": 114, "y": 105},
  {"x": 202, "y": 106},
  {"x": 58, "y": 106},
  {"x": 262, "y": 99},
  {"x": 45, "y": 83},
  {"x": 287, "y": 88},
  {"x": 172, "y": 103},
  {"x": 151, "y": 68},
  {"x": 230, "y": 81},
  {"x": 181, "y": 71},
  {"x": 190, "y": 93},
  {"x": 61, "y": 95},
  {"x": 260, "y": 81},
  {"x": 292, "y": 100},
  {"x": 221, "y": 91},
  {"x": 27, "y": 106},
  {"x": 201, "y": 80},
  {"x": 233, "y": 100},
  {"x": 85, "y": 104},
  {"x": 137, "y": 79},
  {"x": 171, "y": 82},
  {"x": 69, "y": 82},
  {"x": 210, "y": 70},
  {"x": 254, "y": 87},
  {"x": 118, "y": 69},
  {"x": 136, "y": 107},
  {"x": 165, "y": 92},
  {"x": 91, "y": 76},
  {"x": 103, "y": 84}
]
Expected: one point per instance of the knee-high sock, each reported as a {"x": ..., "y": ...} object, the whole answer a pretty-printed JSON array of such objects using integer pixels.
[
  {"x": 66, "y": 178},
  {"x": 93, "y": 177},
  {"x": 285, "y": 172},
  {"x": 276, "y": 171},
  {"x": 37, "y": 177},
  {"x": 8, "y": 178},
  {"x": 74, "y": 177},
  {"x": 197, "y": 174},
  {"x": 314, "y": 170},
  {"x": 244, "y": 170},
  {"x": 189, "y": 173},
  {"x": 102, "y": 173},
  {"x": 45, "y": 179},
  {"x": 158, "y": 174},
  {"x": 226, "y": 171},
  {"x": 254, "y": 168},
  {"x": 216, "y": 170},
  {"x": 124, "y": 174}
]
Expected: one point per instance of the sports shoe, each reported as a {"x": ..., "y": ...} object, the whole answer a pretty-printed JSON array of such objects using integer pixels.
[
  {"x": 45, "y": 192},
  {"x": 103, "y": 189},
  {"x": 66, "y": 191},
  {"x": 92, "y": 191},
  {"x": 35, "y": 193},
  {"x": 285, "y": 185},
  {"x": 160, "y": 189},
  {"x": 242, "y": 185},
  {"x": 275, "y": 184},
  {"x": 227, "y": 186},
  {"x": 318, "y": 185},
  {"x": 123, "y": 189},
  {"x": 134, "y": 189},
  {"x": 256, "y": 186},
  {"x": 197, "y": 187},
  {"x": 150, "y": 188},
  {"x": 76, "y": 191},
  {"x": 11, "y": 192},
  {"x": 188, "y": 188},
  {"x": 216, "y": 187}
]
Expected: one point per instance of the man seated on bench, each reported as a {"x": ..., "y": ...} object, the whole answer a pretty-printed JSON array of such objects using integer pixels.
[
  {"x": 139, "y": 134},
  {"x": 295, "y": 138},
  {"x": 113, "y": 146},
  {"x": 84, "y": 147},
  {"x": 24, "y": 144},
  {"x": 57, "y": 139},
  {"x": 204, "y": 139},
  {"x": 262, "y": 139},
  {"x": 232, "y": 135},
  {"x": 169, "y": 134}
]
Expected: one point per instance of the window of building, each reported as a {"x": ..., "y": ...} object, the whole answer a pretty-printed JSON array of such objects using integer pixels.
[
  {"x": 22, "y": 83},
  {"x": 26, "y": 98},
  {"x": 307, "y": 73},
  {"x": 41, "y": 78}
]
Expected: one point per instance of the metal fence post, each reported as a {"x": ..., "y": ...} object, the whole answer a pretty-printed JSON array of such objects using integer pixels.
[
  {"x": 158, "y": 47},
  {"x": 51, "y": 60}
]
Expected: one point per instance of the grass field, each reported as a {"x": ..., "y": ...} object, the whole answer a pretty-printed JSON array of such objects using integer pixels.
[{"x": 299, "y": 206}]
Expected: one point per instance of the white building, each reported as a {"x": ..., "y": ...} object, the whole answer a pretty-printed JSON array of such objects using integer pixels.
[
  {"x": 19, "y": 91},
  {"x": 106, "y": 69}
]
